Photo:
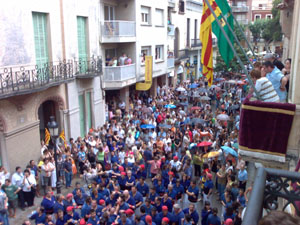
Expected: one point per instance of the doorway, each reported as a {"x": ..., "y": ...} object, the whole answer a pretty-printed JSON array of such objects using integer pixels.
[{"x": 47, "y": 109}]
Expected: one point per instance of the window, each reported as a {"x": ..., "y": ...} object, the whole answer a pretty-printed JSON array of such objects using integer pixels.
[
  {"x": 146, "y": 50},
  {"x": 159, "y": 17},
  {"x": 159, "y": 52},
  {"x": 109, "y": 12},
  {"x": 41, "y": 41},
  {"x": 269, "y": 16},
  {"x": 257, "y": 17},
  {"x": 188, "y": 32},
  {"x": 181, "y": 6},
  {"x": 85, "y": 112},
  {"x": 145, "y": 13},
  {"x": 82, "y": 43}
]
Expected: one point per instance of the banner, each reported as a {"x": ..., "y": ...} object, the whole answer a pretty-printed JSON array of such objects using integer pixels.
[{"x": 145, "y": 86}]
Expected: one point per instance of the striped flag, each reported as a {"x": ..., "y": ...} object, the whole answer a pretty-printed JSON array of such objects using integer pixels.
[
  {"x": 47, "y": 136},
  {"x": 206, "y": 39},
  {"x": 62, "y": 136}
]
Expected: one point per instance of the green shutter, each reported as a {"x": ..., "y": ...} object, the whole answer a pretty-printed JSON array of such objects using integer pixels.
[
  {"x": 41, "y": 43},
  {"x": 82, "y": 45},
  {"x": 88, "y": 109},
  {"x": 81, "y": 115}
]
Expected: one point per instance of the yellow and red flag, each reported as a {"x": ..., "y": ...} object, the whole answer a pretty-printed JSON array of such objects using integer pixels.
[
  {"x": 62, "y": 136},
  {"x": 206, "y": 39},
  {"x": 47, "y": 136}
]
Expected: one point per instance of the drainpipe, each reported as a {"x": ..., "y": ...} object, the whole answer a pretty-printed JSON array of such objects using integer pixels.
[{"x": 62, "y": 26}]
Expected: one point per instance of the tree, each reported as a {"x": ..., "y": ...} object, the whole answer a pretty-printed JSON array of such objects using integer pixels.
[
  {"x": 256, "y": 29},
  {"x": 267, "y": 29},
  {"x": 234, "y": 64}
]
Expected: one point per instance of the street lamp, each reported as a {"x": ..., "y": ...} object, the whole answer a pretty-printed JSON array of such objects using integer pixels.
[{"x": 53, "y": 130}]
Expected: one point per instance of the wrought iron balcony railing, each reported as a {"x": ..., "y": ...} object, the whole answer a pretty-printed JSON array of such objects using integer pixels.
[
  {"x": 25, "y": 79},
  {"x": 272, "y": 190}
]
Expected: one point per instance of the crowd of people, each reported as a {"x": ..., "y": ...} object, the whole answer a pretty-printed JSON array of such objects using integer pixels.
[
  {"x": 115, "y": 61},
  {"x": 155, "y": 161}
]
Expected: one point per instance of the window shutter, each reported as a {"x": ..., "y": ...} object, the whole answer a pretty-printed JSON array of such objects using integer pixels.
[
  {"x": 81, "y": 115},
  {"x": 88, "y": 109},
  {"x": 41, "y": 43},
  {"x": 82, "y": 45}
]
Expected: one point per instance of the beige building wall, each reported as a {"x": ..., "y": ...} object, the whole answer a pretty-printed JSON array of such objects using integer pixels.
[
  {"x": 22, "y": 132},
  {"x": 290, "y": 23}
]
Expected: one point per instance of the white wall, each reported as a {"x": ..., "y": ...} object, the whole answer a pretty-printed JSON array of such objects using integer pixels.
[
  {"x": 151, "y": 36},
  {"x": 16, "y": 31}
]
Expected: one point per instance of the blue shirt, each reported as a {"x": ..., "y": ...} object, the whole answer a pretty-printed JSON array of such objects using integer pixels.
[
  {"x": 243, "y": 175},
  {"x": 194, "y": 215},
  {"x": 85, "y": 210},
  {"x": 48, "y": 204},
  {"x": 177, "y": 217},
  {"x": 275, "y": 77},
  {"x": 74, "y": 217},
  {"x": 138, "y": 197},
  {"x": 179, "y": 189},
  {"x": 242, "y": 200},
  {"x": 213, "y": 220},
  {"x": 143, "y": 189},
  {"x": 58, "y": 206},
  {"x": 194, "y": 190},
  {"x": 81, "y": 155},
  {"x": 167, "y": 203},
  {"x": 38, "y": 218},
  {"x": 93, "y": 221}
]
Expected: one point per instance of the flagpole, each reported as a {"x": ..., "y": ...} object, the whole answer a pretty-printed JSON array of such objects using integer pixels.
[
  {"x": 244, "y": 36},
  {"x": 235, "y": 37},
  {"x": 232, "y": 48}
]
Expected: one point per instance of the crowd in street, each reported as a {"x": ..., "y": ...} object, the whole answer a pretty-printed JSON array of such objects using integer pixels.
[{"x": 151, "y": 157}]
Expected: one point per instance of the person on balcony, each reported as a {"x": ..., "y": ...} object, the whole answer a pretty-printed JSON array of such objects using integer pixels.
[
  {"x": 277, "y": 79},
  {"x": 122, "y": 59},
  {"x": 264, "y": 87}
]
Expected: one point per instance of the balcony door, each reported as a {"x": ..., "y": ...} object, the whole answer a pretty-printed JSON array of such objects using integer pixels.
[
  {"x": 82, "y": 43},
  {"x": 109, "y": 12},
  {"x": 41, "y": 44}
]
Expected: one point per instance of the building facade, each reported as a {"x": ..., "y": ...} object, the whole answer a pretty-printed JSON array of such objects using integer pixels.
[
  {"x": 136, "y": 29},
  {"x": 49, "y": 66},
  {"x": 290, "y": 19}
]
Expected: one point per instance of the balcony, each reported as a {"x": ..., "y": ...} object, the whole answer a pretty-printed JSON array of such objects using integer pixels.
[
  {"x": 171, "y": 30},
  {"x": 243, "y": 8},
  {"x": 119, "y": 76},
  {"x": 116, "y": 31},
  {"x": 26, "y": 79},
  {"x": 243, "y": 22},
  {"x": 170, "y": 62},
  {"x": 194, "y": 5},
  {"x": 272, "y": 191},
  {"x": 171, "y": 3},
  {"x": 196, "y": 43}
]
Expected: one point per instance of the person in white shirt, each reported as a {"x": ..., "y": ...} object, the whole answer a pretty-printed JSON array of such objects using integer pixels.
[
  {"x": 17, "y": 180},
  {"x": 28, "y": 188},
  {"x": 130, "y": 140},
  {"x": 264, "y": 87},
  {"x": 3, "y": 175},
  {"x": 175, "y": 164}
]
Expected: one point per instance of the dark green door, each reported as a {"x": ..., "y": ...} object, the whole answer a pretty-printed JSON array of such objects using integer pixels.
[
  {"x": 41, "y": 44},
  {"x": 82, "y": 44}
]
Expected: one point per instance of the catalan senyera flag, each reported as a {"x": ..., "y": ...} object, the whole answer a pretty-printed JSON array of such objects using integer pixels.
[
  {"x": 47, "y": 136},
  {"x": 206, "y": 39},
  {"x": 62, "y": 136}
]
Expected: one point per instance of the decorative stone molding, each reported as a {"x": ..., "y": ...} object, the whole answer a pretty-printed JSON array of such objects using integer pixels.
[
  {"x": 2, "y": 124},
  {"x": 57, "y": 99}
]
